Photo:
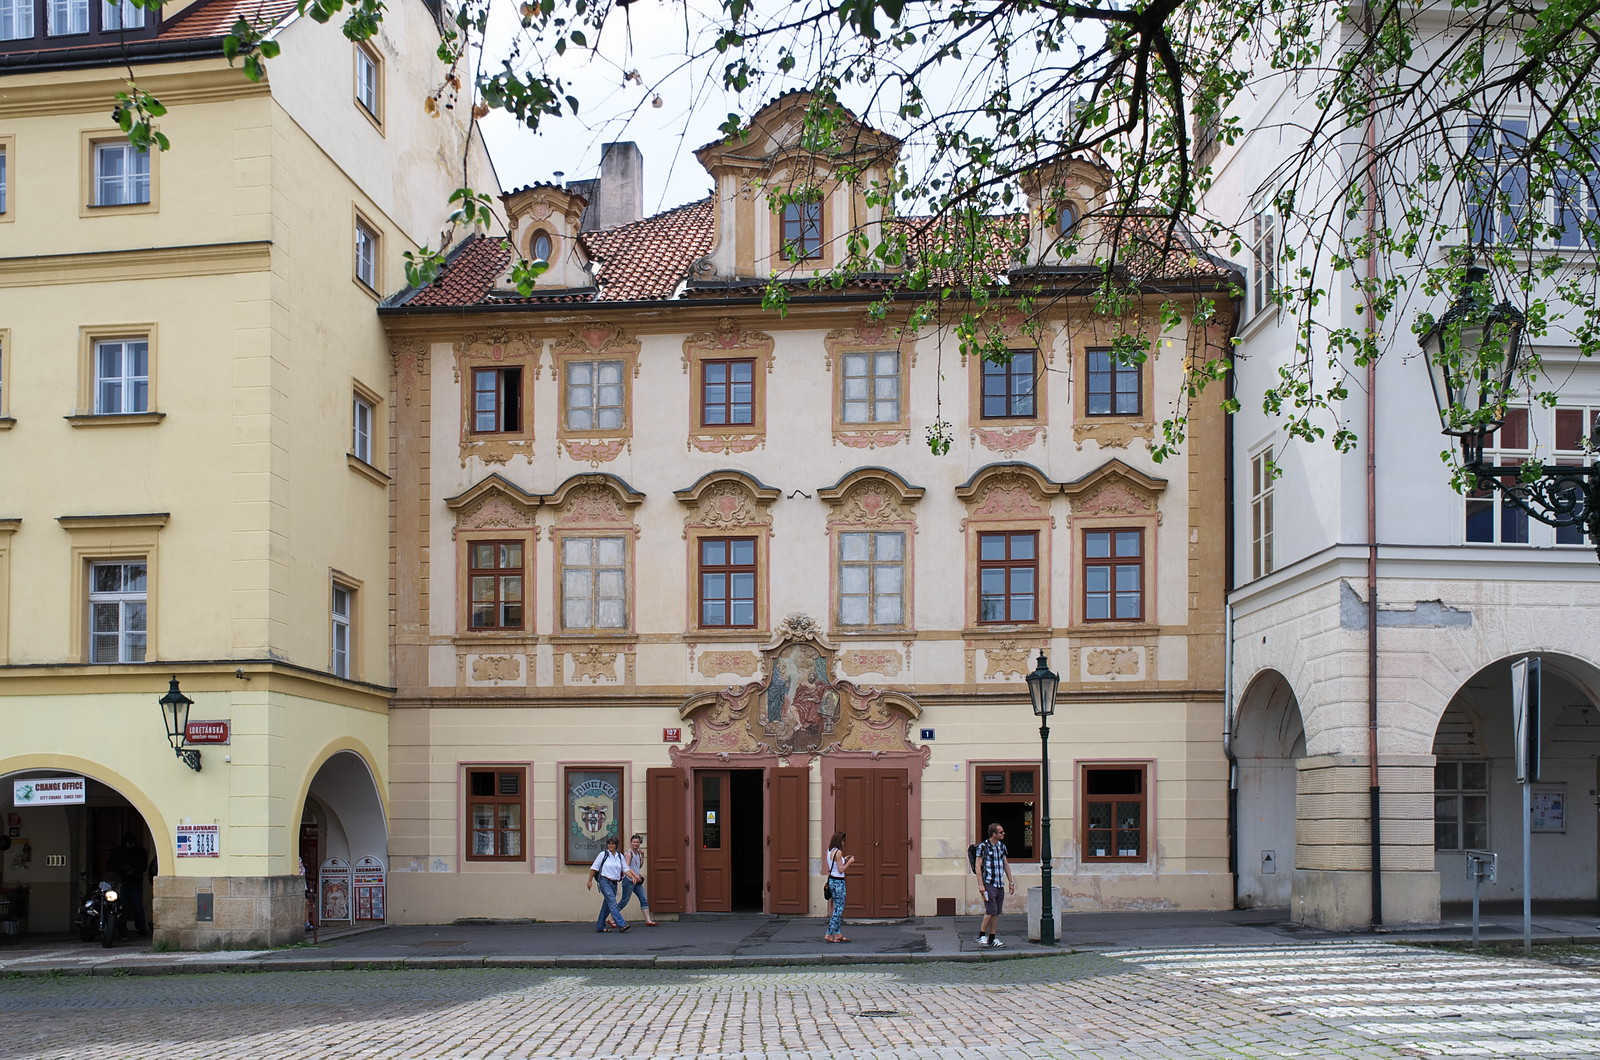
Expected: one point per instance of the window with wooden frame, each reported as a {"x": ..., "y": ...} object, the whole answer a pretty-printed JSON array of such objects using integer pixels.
[
  {"x": 1261, "y": 477},
  {"x": 118, "y": 609},
  {"x": 594, "y": 584},
  {"x": 495, "y": 581},
  {"x": 1490, "y": 518},
  {"x": 872, "y": 569},
  {"x": 1008, "y": 795},
  {"x": 1113, "y": 575},
  {"x": 5, "y": 380},
  {"x": 341, "y": 632},
  {"x": 1113, "y": 388},
  {"x": 121, "y": 174},
  {"x": 1116, "y": 823},
  {"x": 727, "y": 392},
  {"x": 361, "y": 428},
  {"x": 367, "y": 242},
  {"x": 802, "y": 230},
  {"x": 1573, "y": 426},
  {"x": 121, "y": 376},
  {"x": 871, "y": 387},
  {"x": 496, "y": 813},
  {"x": 1008, "y": 577},
  {"x": 7, "y": 149},
  {"x": 1461, "y": 805},
  {"x": 369, "y": 82},
  {"x": 497, "y": 400},
  {"x": 596, "y": 393},
  {"x": 727, "y": 582},
  {"x": 1008, "y": 390}
]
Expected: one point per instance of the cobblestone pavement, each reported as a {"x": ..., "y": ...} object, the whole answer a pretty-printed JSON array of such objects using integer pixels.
[
  {"x": 1320, "y": 1001},
  {"x": 1416, "y": 1000}
]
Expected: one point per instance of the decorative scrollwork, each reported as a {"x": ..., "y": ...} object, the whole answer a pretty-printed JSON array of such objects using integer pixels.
[{"x": 1560, "y": 496}]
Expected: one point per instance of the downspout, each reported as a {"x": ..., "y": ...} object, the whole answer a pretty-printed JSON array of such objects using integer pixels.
[
  {"x": 1374, "y": 792},
  {"x": 1227, "y": 648}
]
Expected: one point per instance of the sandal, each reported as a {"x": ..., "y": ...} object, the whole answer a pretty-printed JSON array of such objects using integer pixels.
[{"x": 624, "y": 929}]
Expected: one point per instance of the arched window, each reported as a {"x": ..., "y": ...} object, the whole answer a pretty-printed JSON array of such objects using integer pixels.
[
  {"x": 539, "y": 247},
  {"x": 1068, "y": 219}
]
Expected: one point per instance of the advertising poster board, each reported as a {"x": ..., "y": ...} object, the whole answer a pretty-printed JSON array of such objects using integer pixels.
[
  {"x": 592, "y": 806},
  {"x": 333, "y": 880},
  {"x": 199, "y": 840},
  {"x": 366, "y": 880},
  {"x": 48, "y": 791}
]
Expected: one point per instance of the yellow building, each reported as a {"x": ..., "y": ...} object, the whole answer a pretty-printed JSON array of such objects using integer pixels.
[
  {"x": 194, "y": 390},
  {"x": 668, "y": 562}
]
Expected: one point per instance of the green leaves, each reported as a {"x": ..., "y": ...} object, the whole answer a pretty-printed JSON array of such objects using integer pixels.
[{"x": 135, "y": 113}]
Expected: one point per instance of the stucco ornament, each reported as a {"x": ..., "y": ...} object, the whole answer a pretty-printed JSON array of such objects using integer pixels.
[
  {"x": 1112, "y": 662},
  {"x": 739, "y": 663},
  {"x": 1113, "y": 434},
  {"x": 729, "y": 504},
  {"x": 1005, "y": 659},
  {"x": 856, "y": 663},
  {"x": 1115, "y": 498},
  {"x": 594, "y": 662},
  {"x": 799, "y": 707},
  {"x": 496, "y": 668},
  {"x": 595, "y": 452},
  {"x": 1008, "y": 495},
  {"x": 1008, "y": 440}
]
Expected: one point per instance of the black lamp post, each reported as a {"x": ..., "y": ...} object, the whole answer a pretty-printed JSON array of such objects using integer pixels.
[
  {"x": 175, "y": 713},
  {"x": 1473, "y": 353},
  {"x": 1042, "y": 684}
]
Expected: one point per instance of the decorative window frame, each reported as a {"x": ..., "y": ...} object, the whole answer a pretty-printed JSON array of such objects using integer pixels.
[
  {"x": 1111, "y": 431},
  {"x": 7, "y": 380},
  {"x": 1080, "y": 794},
  {"x": 1008, "y": 497},
  {"x": 359, "y": 219},
  {"x": 338, "y": 579},
  {"x": 595, "y": 505},
  {"x": 479, "y": 863},
  {"x": 8, "y": 148},
  {"x": 8, "y": 527},
  {"x": 1013, "y": 434},
  {"x": 90, "y": 139},
  {"x": 870, "y": 337},
  {"x": 729, "y": 341},
  {"x": 84, "y": 415},
  {"x": 496, "y": 349},
  {"x": 727, "y": 503},
  {"x": 1115, "y": 496},
  {"x": 873, "y": 500},
  {"x": 494, "y": 509},
  {"x": 595, "y": 342},
  {"x": 376, "y": 439},
  {"x": 108, "y": 537},
  {"x": 359, "y": 48}
]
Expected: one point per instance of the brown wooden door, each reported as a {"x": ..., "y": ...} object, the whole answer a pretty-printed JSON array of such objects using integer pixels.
[
  {"x": 788, "y": 801},
  {"x": 713, "y": 867},
  {"x": 667, "y": 819},
  {"x": 870, "y": 807}
]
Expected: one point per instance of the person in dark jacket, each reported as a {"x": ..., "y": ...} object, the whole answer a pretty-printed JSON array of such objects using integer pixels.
[{"x": 132, "y": 862}]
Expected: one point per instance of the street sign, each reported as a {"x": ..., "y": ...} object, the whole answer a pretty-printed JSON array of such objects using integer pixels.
[
  {"x": 1525, "y": 717},
  {"x": 206, "y": 732},
  {"x": 48, "y": 791}
]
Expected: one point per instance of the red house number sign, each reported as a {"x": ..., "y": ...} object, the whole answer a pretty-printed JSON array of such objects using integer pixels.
[{"x": 671, "y": 735}]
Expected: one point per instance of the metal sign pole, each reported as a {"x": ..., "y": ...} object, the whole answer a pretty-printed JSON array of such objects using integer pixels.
[
  {"x": 1525, "y": 691},
  {"x": 1527, "y": 866}
]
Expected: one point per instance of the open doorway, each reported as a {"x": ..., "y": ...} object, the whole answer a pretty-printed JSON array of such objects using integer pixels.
[{"x": 730, "y": 857}]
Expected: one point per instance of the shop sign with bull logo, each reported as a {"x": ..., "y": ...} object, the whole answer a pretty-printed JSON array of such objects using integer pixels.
[{"x": 594, "y": 812}]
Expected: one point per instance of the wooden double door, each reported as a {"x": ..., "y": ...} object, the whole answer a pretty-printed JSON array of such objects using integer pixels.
[
  {"x": 728, "y": 839},
  {"x": 724, "y": 839},
  {"x": 871, "y": 807}
]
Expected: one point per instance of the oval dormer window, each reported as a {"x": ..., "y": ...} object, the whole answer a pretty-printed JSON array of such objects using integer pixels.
[
  {"x": 539, "y": 246},
  {"x": 1069, "y": 218}
]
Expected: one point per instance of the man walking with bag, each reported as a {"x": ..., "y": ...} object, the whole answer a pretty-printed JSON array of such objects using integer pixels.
[
  {"x": 608, "y": 869},
  {"x": 994, "y": 877}
]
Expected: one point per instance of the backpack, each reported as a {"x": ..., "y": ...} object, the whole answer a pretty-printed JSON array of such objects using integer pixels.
[{"x": 972, "y": 857}]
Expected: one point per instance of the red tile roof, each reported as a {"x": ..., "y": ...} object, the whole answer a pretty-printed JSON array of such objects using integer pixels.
[
  {"x": 214, "y": 18},
  {"x": 650, "y": 259}
]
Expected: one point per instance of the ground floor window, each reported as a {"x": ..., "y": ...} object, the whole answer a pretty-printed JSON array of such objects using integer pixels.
[
  {"x": 1461, "y": 805},
  {"x": 496, "y": 809},
  {"x": 1115, "y": 821},
  {"x": 1007, "y": 796}
]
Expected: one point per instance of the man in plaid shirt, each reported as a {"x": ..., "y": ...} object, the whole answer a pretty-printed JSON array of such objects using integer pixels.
[{"x": 994, "y": 877}]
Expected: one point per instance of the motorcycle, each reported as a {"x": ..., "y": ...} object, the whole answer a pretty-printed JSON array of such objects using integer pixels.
[{"x": 103, "y": 914}]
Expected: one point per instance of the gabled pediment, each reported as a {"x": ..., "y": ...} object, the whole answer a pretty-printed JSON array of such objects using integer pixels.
[{"x": 494, "y": 502}]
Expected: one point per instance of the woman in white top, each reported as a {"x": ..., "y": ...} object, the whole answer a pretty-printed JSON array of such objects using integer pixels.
[
  {"x": 608, "y": 868},
  {"x": 837, "y": 862}
]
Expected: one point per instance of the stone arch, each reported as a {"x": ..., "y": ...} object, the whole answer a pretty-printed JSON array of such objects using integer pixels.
[
  {"x": 153, "y": 818},
  {"x": 1477, "y": 799},
  {"x": 343, "y": 779},
  {"x": 1268, "y": 738}
]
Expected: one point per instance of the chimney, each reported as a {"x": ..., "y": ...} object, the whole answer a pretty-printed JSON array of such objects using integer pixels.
[{"x": 617, "y": 196}]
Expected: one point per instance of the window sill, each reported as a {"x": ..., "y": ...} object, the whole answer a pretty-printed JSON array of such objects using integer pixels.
[
  {"x": 366, "y": 289},
  {"x": 984, "y": 423},
  {"x": 1129, "y": 627},
  {"x": 93, "y": 209},
  {"x": 614, "y": 636},
  {"x": 7, "y": 422},
  {"x": 1006, "y": 629},
  {"x": 115, "y": 419},
  {"x": 361, "y": 467},
  {"x": 694, "y": 635},
  {"x": 871, "y": 632}
]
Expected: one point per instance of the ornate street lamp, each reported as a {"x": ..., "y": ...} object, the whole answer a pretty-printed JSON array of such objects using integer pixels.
[
  {"x": 175, "y": 713},
  {"x": 1042, "y": 684},
  {"x": 1473, "y": 353}
]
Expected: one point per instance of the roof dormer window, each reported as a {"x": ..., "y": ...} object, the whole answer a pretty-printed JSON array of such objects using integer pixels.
[
  {"x": 539, "y": 246},
  {"x": 802, "y": 230},
  {"x": 16, "y": 19},
  {"x": 1068, "y": 220},
  {"x": 64, "y": 17}
]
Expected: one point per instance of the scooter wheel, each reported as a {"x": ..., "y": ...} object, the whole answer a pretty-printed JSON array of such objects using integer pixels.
[{"x": 108, "y": 933}]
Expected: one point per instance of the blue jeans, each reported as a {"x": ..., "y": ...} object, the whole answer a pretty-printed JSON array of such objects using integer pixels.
[
  {"x": 629, "y": 889},
  {"x": 836, "y": 918},
  {"x": 608, "y": 904}
]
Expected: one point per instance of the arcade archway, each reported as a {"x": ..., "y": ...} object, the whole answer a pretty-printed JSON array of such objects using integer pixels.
[
  {"x": 343, "y": 830},
  {"x": 1268, "y": 739}
]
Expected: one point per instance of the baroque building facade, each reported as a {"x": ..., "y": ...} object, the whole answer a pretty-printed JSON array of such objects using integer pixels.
[
  {"x": 194, "y": 428},
  {"x": 668, "y": 562}
]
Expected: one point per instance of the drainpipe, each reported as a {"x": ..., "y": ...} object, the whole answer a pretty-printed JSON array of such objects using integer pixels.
[
  {"x": 1374, "y": 794},
  {"x": 1227, "y": 650}
]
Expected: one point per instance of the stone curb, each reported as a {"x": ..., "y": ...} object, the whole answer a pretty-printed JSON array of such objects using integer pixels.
[{"x": 545, "y": 961}]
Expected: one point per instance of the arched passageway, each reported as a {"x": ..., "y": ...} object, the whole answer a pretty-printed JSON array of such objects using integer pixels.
[
  {"x": 342, "y": 823},
  {"x": 1478, "y": 802},
  {"x": 1268, "y": 739},
  {"x": 60, "y": 834}
]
